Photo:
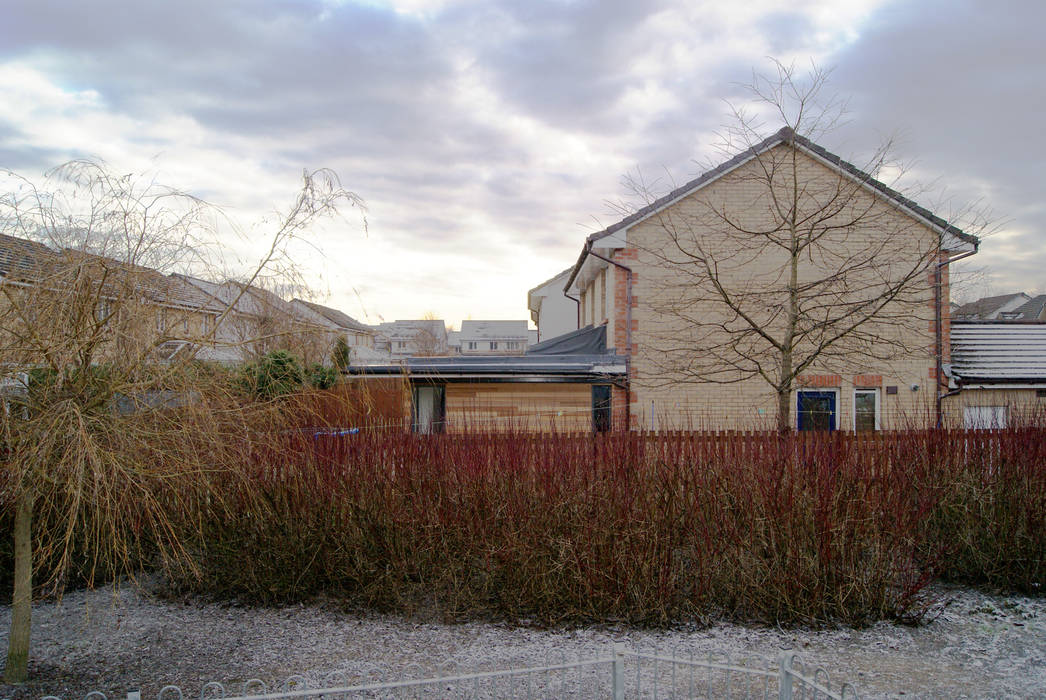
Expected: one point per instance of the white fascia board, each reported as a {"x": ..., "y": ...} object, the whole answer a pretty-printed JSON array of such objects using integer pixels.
[
  {"x": 989, "y": 387},
  {"x": 589, "y": 269},
  {"x": 949, "y": 241},
  {"x": 623, "y": 232}
]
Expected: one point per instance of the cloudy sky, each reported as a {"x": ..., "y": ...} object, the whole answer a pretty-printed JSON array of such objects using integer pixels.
[{"x": 488, "y": 136}]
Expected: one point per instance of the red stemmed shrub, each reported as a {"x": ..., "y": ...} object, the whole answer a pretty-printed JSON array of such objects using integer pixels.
[{"x": 645, "y": 528}]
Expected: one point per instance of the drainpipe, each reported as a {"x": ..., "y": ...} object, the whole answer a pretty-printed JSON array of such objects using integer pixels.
[
  {"x": 938, "y": 320},
  {"x": 628, "y": 331},
  {"x": 578, "y": 302}
]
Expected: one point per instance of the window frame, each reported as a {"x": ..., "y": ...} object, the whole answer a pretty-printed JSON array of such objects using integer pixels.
[
  {"x": 438, "y": 424},
  {"x": 878, "y": 407},
  {"x": 835, "y": 412},
  {"x": 980, "y": 424},
  {"x": 602, "y": 408}
]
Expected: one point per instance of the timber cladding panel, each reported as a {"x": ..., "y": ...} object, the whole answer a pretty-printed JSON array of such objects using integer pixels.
[{"x": 512, "y": 405}]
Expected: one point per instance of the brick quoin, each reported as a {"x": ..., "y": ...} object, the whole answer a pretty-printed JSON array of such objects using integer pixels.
[
  {"x": 820, "y": 381},
  {"x": 624, "y": 256}
]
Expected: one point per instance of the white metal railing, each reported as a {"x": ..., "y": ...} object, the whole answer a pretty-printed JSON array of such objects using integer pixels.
[{"x": 621, "y": 675}]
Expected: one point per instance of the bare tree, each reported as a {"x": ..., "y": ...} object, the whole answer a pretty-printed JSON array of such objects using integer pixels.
[
  {"x": 788, "y": 260},
  {"x": 107, "y": 415}
]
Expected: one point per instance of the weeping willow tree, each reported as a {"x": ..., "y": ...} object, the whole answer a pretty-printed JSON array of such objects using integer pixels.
[{"x": 113, "y": 423}]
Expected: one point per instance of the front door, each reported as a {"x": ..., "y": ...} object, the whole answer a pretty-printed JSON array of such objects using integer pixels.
[{"x": 816, "y": 410}]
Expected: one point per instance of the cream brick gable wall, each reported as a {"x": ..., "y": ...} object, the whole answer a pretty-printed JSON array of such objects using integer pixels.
[{"x": 676, "y": 317}]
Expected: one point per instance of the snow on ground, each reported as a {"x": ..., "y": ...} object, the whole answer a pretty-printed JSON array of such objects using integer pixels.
[{"x": 978, "y": 646}]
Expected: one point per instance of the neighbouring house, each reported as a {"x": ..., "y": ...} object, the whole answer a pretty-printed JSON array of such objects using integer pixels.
[
  {"x": 493, "y": 337},
  {"x": 561, "y": 387},
  {"x": 1032, "y": 310},
  {"x": 260, "y": 321},
  {"x": 359, "y": 337},
  {"x": 998, "y": 372},
  {"x": 990, "y": 308},
  {"x": 412, "y": 338},
  {"x": 551, "y": 310},
  {"x": 139, "y": 307},
  {"x": 686, "y": 349}
]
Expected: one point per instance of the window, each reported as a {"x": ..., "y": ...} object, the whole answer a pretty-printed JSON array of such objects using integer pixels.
[
  {"x": 493, "y": 345},
  {"x": 984, "y": 417},
  {"x": 103, "y": 310},
  {"x": 816, "y": 410},
  {"x": 604, "y": 314},
  {"x": 513, "y": 345},
  {"x": 401, "y": 344},
  {"x": 601, "y": 413},
  {"x": 866, "y": 410},
  {"x": 430, "y": 409},
  {"x": 161, "y": 320},
  {"x": 472, "y": 345},
  {"x": 185, "y": 326}
]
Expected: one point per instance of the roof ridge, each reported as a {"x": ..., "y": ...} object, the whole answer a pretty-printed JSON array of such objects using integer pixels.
[{"x": 785, "y": 135}]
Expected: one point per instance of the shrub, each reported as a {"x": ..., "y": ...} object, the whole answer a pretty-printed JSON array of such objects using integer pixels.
[{"x": 647, "y": 529}]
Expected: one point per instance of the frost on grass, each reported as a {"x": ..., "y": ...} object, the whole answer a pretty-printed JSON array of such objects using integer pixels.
[{"x": 977, "y": 645}]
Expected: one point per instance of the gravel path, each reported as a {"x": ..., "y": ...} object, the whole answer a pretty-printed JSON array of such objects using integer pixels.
[{"x": 978, "y": 646}]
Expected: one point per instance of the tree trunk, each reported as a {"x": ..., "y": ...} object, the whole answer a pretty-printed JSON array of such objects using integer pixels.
[
  {"x": 784, "y": 410},
  {"x": 17, "y": 668}
]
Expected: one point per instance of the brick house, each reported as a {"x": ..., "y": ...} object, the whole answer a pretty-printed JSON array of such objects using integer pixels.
[{"x": 686, "y": 299}]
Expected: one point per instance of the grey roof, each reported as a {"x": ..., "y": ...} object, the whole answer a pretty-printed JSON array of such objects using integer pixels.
[
  {"x": 986, "y": 307},
  {"x": 551, "y": 280},
  {"x": 490, "y": 367},
  {"x": 783, "y": 136},
  {"x": 27, "y": 261},
  {"x": 584, "y": 340},
  {"x": 1032, "y": 310},
  {"x": 409, "y": 328},
  {"x": 998, "y": 352},
  {"x": 493, "y": 330},
  {"x": 340, "y": 318},
  {"x": 22, "y": 257}
]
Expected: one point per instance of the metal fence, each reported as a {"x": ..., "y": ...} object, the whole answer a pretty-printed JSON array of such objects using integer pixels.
[{"x": 621, "y": 675}]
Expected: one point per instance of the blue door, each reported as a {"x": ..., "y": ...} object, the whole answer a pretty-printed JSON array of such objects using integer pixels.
[{"x": 816, "y": 410}]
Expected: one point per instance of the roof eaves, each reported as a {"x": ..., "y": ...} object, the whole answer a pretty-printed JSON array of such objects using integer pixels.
[
  {"x": 783, "y": 135},
  {"x": 680, "y": 192}
]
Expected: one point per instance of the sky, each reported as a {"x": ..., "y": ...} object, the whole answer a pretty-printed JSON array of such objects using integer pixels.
[{"x": 488, "y": 138}]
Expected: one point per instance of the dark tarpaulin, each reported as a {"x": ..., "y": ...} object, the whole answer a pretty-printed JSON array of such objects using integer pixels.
[{"x": 586, "y": 341}]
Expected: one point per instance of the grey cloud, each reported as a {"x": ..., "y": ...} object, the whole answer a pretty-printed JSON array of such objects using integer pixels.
[
  {"x": 260, "y": 67},
  {"x": 785, "y": 31},
  {"x": 567, "y": 64},
  {"x": 965, "y": 84}
]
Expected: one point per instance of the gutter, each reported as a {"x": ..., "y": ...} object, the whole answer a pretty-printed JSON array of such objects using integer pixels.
[{"x": 938, "y": 320}]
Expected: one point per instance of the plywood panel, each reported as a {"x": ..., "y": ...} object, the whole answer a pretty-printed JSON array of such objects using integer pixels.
[{"x": 561, "y": 407}]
